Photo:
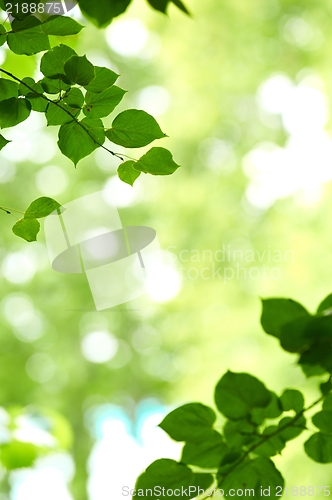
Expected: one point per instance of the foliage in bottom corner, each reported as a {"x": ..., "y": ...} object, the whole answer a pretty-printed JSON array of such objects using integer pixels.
[{"x": 234, "y": 459}]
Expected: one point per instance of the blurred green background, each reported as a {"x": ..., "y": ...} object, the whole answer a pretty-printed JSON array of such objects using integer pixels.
[{"x": 242, "y": 89}]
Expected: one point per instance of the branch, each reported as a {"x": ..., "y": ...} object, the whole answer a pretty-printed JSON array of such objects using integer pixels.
[{"x": 43, "y": 96}]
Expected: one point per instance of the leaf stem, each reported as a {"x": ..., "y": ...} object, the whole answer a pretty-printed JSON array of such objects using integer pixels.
[{"x": 43, "y": 96}]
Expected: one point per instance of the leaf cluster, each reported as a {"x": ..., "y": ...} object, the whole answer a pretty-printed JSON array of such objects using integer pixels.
[{"x": 257, "y": 422}]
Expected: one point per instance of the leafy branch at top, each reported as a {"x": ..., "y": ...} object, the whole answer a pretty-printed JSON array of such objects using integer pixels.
[
  {"x": 75, "y": 95},
  {"x": 258, "y": 423}
]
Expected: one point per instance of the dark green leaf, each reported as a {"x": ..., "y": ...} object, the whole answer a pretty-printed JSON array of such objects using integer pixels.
[
  {"x": 157, "y": 161},
  {"x": 134, "y": 129},
  {"x": 319, "y": 447},
  {"x": 79, "y": 70},
  {"x": 326, "y": 387},
  {"x": 187, "y": 422},
  {"x": 327, "y": 404},
  {"x": 42, "y": 207},
  {"x": 57, "y": 114},
  {"x": 169, "y": 474},
  {"x": 254, "y": 475},
  {"x": 292, "y": 429},
  {"x": 127, "y": 173},
  {"x": 25, "y": 24},
  {"x": 181, "y": 6},
  {"x": 29, "y": 87},
  {"x": 61, "y": 26},
  {"x": 320, "y": 354},
  {"x": 27, "y": 229},
  {"x": 292, "y": 399},
  {"x": 76, "y": 142},
  {"x": 102, "y": 12},
  {"x": 3, "y": 142},
  {"x": 238, "y": 433},
  {"x": 52, "y": 63},
  {"x": 104, "y": 79},
  {"x": 74, "y": 98},
  {"x": 237, "y": 394},
  {"x": 277, "y": 312},
  {"x": 103, "y": 103},
  {"x": 8, "y": 89},
  {"x": 52, "y": 86},
  {"x": 323, "y": 420},
  {"x": 13, "y": 111},
  {"x": 272, "y": 410},
  {"x": 312, "y": 370},
  {"x": 160, "y": 5},
  {"x": 325, "y": 307},
  {"x": 3, "y": 36},
  {"x": 293, "y": 335},
  {"x": 16, "y": 455},
  {"x": 207, "y": 453},
  {"x": 28, "y": 41},
  {"x": 228, "y": 461},
  {"x": 272, "y": 446},
  {"x": 33, "y": 93}
]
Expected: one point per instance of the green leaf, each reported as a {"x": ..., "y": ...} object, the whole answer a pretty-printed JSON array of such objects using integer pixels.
[
  {"x": 75, "y": 142},
  {"x": 27, "y": 229},
  {"x": 52, "y": 86},
  {"x": 254, "y": 475},
  {"x": 319, "y": 447},
  {"x": 74, "y": 98},
  {"x": 37, "y": 102},
  {"x": 326, "y": 387},
  {"x": 168, "y": 474},
  {"x": 56, "y": 114},
  {"x": 16, "y": 454},
  {"x": 8, "y": 89},
  {"x": 293, "y": 335},
  {"x": 127, "y": 173},
  {"x": 181, "y": 6},
  {"x": 312, "y": 370},
  {"x": 325, "y": 307},
  {"x": 187, "y": 422},
  {"x": 79, "y": 70},
  {"x": 206, "y": 453},
  {"x": 102, "y": 12},
  {"x": 327, "y": 404},
  {"x": 237, "y": 394},
  {"x": 293, "y": 430},
  {"x": 278, "y": 312},
  {"x": 104, "y": 79},
  {"x": 160, "y": 5},
  {"x": 319, "y": 354},
  {"x": 3, "y": 142},
  {"x": 61, "y": 26},
  {"x": 292, "y": 399},
  {"x": 103, "y": 103},
  {"x": 27, "y": 41},
  {"x": 272, "y": 446},
  {"x": 323, "y": 420},
  {"x": 42, "y": 207},
  {"x": 13, "y": 111},
  {"x": 238, "y": 433},
  {"x": 272, "y": 410},
  {"x": 134, "y": 129},
  {"x": 3, "y": 36},
  {"x": 157, "y": 161},
  {"x": 52, "y": 63}
]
